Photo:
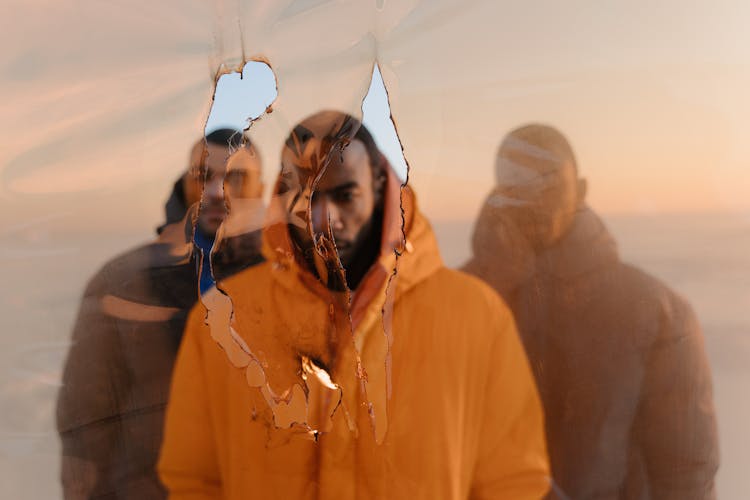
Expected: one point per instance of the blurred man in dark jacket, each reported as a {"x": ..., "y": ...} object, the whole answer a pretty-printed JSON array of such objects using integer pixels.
[
  {"x": 618, "y": 357},
  {"x": 111, "y": 405}
]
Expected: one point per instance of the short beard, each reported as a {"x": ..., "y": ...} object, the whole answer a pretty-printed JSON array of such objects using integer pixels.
[{"x": 365, "y": 251}]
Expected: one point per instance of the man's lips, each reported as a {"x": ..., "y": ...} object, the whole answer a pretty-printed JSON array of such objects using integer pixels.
[
  {"x": 344, "y": 249},
  {"x": 213, "y": 212}
]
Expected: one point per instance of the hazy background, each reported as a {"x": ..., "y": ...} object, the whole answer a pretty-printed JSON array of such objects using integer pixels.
[{"x": 102, "y": 102}]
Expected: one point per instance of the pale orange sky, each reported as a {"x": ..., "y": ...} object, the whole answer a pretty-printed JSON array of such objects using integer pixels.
[
  {"x": 652, "y": 97},
  {"x": 103, "y": 100}
]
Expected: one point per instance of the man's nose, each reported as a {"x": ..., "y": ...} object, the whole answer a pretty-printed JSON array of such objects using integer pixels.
[
  {"x": 325, "y": 213},
  {"x": 214, "y": 188}
]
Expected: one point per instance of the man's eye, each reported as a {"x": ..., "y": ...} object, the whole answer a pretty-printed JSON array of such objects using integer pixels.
[
  {"x": 206, "y": 175},
  {"x": 197, "y": 174},
  {"x": 235, "y": 178},
  {"x": 344, "y": 196}
]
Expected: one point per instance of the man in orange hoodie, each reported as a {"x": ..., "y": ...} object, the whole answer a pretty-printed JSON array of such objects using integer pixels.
[{"x": 352, "y": 364}]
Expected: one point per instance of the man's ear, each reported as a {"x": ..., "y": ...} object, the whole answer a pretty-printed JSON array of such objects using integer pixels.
[
  {"x": 379, "y": 188},
  {"x": 582, "y": 190},
  {"x": 379, "y": 180}
]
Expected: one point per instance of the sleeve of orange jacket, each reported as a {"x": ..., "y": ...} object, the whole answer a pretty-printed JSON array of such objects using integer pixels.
[
  {"x": 676, "y": 420},
  {"x": 188, "y": 464},
  {"x": 512, "y": 460}
]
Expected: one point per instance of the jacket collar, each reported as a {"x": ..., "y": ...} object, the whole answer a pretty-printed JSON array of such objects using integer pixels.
[{"x": 585, "y": 248}]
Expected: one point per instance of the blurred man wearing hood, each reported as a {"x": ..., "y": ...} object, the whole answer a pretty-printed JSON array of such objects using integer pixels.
[
  {"x": 618, "y": 357},
  {"x": 111, "y": 405},
  {"x": 362, "y": 368}
]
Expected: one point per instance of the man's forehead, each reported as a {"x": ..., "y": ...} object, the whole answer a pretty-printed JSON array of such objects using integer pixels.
[
  {"x": 218, "y": 157},
  {"x": 341, "y": 166},
  {"x": 516, "y": 146},
  {"x": 208, "y": 152},
  {"x": 520, "y": 161},
  {"x": 326, "y": 124},
  {"x": 350, "y": 165},
  {"x": 245, "y": 158},
  {"x": 319, "y": 135},
  {"x": 518, "y": 171}
]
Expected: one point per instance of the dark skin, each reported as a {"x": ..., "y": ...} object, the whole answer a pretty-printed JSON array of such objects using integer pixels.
[{"x": 343, "y": 201}]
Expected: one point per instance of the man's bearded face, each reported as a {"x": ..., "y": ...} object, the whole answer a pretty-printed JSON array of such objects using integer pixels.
[
  {"x": 338, "y": 199},
  {"x": 218, "y": 176}
]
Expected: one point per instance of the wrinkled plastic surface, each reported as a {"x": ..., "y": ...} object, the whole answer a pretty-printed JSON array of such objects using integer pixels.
[{"x": 104, "y": 101}]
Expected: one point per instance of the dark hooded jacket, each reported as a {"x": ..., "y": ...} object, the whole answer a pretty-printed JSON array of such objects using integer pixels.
[
  {"x": 618, "y": 358},
  {"x": 110, "y": 408}
]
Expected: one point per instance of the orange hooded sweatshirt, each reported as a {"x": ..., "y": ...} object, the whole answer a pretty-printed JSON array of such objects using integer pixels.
[{"x": 430, "y": 393}]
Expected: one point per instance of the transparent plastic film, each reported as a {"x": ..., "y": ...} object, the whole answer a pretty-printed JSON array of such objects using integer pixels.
[{"x": 374, "y": 249}]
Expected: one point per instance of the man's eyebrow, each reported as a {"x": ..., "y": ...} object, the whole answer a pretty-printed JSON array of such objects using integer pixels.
[
  {"x": 341, "y": 187},
  {"x": 243, "y": 169}
]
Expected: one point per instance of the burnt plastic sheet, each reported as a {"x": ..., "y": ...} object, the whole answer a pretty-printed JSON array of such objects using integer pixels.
[{"x": 585, "y": 160}]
